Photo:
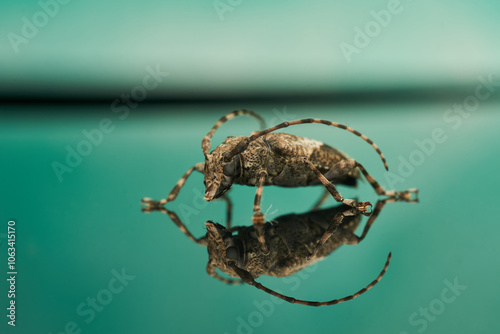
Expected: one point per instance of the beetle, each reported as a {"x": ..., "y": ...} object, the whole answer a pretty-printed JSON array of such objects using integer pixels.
[
  {"x": 280, "y": 159},
  {"x": 237, "y": 253}
]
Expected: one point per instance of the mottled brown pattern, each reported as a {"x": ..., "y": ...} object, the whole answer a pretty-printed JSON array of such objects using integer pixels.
[
  {"x": 237, "y": 253},
  {"x": 278, "y": 159},
  {"x": 243, "y": 145},
  {"x": 281, "y": 155},
  {"x": 290, "y": 239}
]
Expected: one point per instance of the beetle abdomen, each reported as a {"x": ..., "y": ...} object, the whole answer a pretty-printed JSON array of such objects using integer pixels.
[{"x": 287, "y": 152}]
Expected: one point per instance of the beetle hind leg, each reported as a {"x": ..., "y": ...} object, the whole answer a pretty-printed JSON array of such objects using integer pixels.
[
  {"x": 398, "y": 195},
  {"x": 345, "y": 167}
]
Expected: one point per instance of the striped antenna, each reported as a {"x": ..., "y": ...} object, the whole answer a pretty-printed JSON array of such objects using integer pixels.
[
  {"x": 206, "y": 143},
  {"x": 242, "y": 146},
  {"x": 247, "y": 278}
]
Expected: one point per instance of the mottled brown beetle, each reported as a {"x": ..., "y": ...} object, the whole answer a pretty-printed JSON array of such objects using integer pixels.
[
  {"x": 278, "y": 159},
  {"x": 290, "y": 237}
]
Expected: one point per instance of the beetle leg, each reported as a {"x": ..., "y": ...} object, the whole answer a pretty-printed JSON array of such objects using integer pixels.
[
  {"x": 398, "y": 195},
  {"x": 211, "y": 270},
  {"x": 332, "y": 228},
  {"x": 346, "y": 166},
  {"x": 258, "y": 216},
  {"x": 151, "y": 205},
  {"x": 378, "y": 208},
  {"x": 177, "y": 221},
  {"x": 361, "y": 206},
  {"x": 337, "y": 220},
  {"x": 354, "y": 240}
]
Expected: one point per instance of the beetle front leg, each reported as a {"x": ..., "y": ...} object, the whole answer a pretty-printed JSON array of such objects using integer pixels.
[
  {"x": 151, "y": 205},
  {"x": 362, "y": 207},
  {"x": 258, "y": 216}
]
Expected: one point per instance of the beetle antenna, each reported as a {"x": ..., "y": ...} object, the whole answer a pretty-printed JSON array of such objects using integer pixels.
[
  {"x": 247, "y": 278},
  {"x": 206, "y": 142},
  {"x": 242, "y": 146}
]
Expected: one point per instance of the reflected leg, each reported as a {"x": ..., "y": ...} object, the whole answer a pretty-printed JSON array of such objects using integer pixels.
[
  {"x": 258, "y": 216},
  {"x": 212, "y": 271},
  {"x": 332, "y": 228},
  {"x": 337, "y": 220},
  {"x": 177, "y": 221}
]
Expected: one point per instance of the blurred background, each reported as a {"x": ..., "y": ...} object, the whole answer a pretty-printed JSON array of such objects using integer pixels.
[
  {"x": 222, "y": 49},
  {"x": 104, "y": 103}
]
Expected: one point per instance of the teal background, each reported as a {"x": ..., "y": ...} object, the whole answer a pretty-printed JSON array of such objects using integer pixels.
[
  {"x": 71, "y": 234},
  {"x": 100, "y": 48},
  {"x": 273, "y": 58}
]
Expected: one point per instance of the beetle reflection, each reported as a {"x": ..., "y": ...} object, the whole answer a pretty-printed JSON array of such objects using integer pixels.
[{"x": 292, "y": 245}]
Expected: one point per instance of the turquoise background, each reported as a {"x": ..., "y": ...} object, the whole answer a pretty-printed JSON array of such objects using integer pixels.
[
  {"x": 74, "y": 233},
  {"x": 100, "y": 48}
]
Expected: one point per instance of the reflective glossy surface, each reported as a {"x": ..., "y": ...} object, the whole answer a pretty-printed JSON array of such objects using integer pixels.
[{"x": 81, "y": 233}]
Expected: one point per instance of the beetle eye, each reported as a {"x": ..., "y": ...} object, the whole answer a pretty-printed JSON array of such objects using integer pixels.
[
  {"x": 233, "y": 168},
  {"x": 232, "y": 253}
]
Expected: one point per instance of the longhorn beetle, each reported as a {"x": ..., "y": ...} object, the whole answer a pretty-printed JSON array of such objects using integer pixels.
[
  {"x": 280, "y": 159},
  {"x": 290, "y": 239}
]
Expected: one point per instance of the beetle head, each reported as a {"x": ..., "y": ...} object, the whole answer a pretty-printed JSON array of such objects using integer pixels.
[
  {"x": 223, "y": 247},
  {"x": 219, "y": 173}
]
